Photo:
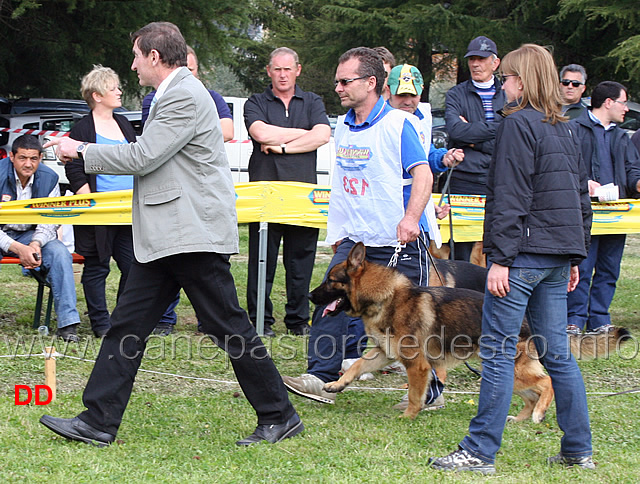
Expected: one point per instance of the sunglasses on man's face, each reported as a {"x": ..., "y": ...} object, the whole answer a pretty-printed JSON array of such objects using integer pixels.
[{"x": 566, "y": 82}]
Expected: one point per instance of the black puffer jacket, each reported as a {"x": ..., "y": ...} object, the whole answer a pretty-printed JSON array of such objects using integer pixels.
[{"x": 537, "y": 194}]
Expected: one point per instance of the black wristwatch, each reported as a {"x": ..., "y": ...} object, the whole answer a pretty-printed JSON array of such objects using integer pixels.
[{"x": 80, "y": 150}]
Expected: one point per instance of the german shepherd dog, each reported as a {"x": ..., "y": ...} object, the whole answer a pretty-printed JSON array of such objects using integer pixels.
[
  {"x": 432, "y": 327},
  {"x": 457, "y": 273}
]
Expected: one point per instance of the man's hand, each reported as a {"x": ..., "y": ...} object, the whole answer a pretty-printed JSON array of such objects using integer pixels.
[
  {"x": 453, "y": 157},
  {"x": 66, "y": 148},
  {"x": 592, "y": 187},
  {"x": 30, "y": 255},
  {"x": 498, "y": 280},
  {"x": 442, "y": 211},
  {"x": 266, "y": 149},
  {"x": 574, "y": 278},
  {"x": 407, "y": 230}
]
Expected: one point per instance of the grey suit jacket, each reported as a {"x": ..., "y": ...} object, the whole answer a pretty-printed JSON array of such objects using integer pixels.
[{"x": 183, "y": 195}]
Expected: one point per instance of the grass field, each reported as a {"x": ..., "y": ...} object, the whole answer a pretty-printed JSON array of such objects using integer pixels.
[{"x": 186, "y": 411}]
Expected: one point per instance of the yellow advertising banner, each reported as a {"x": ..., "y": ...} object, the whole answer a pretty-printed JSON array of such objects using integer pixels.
[
  {"x": 287, "y": 203},
  {"x": 619, "y": 217},
  {"x": 279, "y": 202}
]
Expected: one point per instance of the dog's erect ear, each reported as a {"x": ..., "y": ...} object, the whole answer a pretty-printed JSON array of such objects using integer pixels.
[{"x": 356, "y": 256}]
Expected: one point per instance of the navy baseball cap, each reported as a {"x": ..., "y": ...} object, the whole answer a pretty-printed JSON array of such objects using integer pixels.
[{"x": 482, "y": 46}]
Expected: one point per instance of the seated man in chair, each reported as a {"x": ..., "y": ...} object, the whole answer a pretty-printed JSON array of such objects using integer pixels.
[{"x": 22, "y": 178}]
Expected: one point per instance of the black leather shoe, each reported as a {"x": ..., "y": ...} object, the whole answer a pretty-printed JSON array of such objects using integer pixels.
[
  {"x": 268, "y": 332},
  {"x": 302, "y": 330},
  {"x": 274, "y": 433},
  {"x": 163, "y": 329},
  {"x": 99, "y": 333},
  {"x": 76, "y": 429},
  {"x": 69, "y": 333}
]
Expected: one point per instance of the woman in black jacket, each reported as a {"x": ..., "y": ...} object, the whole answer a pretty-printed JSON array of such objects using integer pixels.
[
  {"x": 101, "y": 89},
  {"x": 536, "y": 231}
]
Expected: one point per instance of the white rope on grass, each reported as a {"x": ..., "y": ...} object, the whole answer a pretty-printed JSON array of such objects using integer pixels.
[{"x": 229, "y": 382}]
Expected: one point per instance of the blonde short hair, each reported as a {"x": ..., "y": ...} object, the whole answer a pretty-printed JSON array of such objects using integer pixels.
[
  {"x": 540, "y": 87},
  {"x": 99, "y": 80}
]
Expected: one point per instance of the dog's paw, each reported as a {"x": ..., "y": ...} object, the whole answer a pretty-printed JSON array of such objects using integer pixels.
[
  {"x": 334, "y": 387},
  {"x": 512, "y": 419},
  {"x": 408, "y": 415},
  {"x": 538, "y": 417}
]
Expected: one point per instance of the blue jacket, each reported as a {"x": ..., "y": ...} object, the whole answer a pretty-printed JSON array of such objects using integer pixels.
[
  {"x": 625, "y": 157},
  {"x": 45, "y": 179},
  {"x": 463, "y": 100}
]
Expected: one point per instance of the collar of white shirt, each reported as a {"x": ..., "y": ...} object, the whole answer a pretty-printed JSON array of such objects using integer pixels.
[{"x": 165, "y": 84}]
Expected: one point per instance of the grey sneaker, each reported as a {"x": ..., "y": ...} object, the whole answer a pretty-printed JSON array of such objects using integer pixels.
[
  {"x": 461, "y": 460},
  {"x": 604, "y": 329},
  {"x": 583, "y": 462},
  {"x": 437, "y": 404},
  {"x": 309, "y": 386},
  {"x": 573, "y": 329}
]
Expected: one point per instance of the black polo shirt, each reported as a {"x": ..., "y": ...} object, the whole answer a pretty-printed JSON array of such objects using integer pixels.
[{"x": 306, "y": 110}]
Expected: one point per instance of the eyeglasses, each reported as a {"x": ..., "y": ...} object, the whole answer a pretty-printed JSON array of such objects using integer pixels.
[
  {"x": 566, "y": 82},
  {"x": 503, "y": 77},
  {"x": 344, "y": 82},
  {"x": 624, "y": 103}
]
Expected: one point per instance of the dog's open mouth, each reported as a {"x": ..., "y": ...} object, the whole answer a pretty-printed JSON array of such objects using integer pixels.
[{"x": 336, "y": 306}]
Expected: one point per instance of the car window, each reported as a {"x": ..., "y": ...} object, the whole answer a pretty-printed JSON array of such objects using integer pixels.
[
  {"x": 58, "y": 125},
  {"x": 631, "y": 120}
]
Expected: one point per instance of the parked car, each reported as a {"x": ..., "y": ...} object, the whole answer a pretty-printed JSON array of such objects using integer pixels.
[
  {"x": 439, "y": 134},
  {"x": 46, "y": 105}
]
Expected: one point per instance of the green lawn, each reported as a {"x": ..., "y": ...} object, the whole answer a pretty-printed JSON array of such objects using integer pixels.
[{"x": 185, "y": 427}]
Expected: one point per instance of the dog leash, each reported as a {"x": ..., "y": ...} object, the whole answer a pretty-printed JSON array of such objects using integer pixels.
[
  {"x": 431, "y": 260},
  {"x": 393, "y": 262}
]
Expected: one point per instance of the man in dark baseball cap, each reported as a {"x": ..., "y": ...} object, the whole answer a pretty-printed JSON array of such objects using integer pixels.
[
  {"x": 482, "y": 47},
  {"x": 471, "y": 119}
]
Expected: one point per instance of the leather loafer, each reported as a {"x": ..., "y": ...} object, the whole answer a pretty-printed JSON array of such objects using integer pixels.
[
  {"x": 76, "y": 429},
  {"x": 274, "y": 433}
]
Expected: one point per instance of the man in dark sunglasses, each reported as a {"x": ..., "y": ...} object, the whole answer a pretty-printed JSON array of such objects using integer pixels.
[{"x": 572, "y": 85}]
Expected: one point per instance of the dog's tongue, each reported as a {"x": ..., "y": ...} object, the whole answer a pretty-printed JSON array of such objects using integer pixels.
[{"x": 330, "y": 307}]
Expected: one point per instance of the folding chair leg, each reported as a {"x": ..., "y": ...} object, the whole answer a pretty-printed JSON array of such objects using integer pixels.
[{"x": 38, "y": 310}]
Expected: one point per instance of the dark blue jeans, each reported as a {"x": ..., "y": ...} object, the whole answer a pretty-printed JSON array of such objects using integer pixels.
[
  {"x": 589, "y": 303},
  {"x": 541, "y": 294},
  {"x": 334, "y": 338}
]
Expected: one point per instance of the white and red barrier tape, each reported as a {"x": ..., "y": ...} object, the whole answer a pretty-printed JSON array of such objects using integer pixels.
[{"x": 36, "y": 132}]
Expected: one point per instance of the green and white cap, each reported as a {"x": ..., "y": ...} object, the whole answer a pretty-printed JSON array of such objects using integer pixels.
[{"x": 405, "y": 79}]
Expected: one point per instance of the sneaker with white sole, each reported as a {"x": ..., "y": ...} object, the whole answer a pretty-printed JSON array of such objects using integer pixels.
[
  {"x": 437, "y": 404},
  {"x": 461, "y": 460},
  {"x": 583, "y": 462},
  {"x": 309, "y": 386},
  {"x": 573, "y": 329},
  {"x": 604, "y": 329},
  {"x": 348, "y": 363}
]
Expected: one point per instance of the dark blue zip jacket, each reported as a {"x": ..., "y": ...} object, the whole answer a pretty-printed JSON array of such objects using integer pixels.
[
  {"x": 537, "y": 192},
  {"x": 625, "y": 157},
  {"x": 463, "y": 100}
]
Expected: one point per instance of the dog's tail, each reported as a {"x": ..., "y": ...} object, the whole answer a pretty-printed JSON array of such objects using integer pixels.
[{"x": 598, "y": 345}]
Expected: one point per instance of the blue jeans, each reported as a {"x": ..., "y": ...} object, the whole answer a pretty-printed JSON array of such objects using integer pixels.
[
  {"x": 589, "y": 303},
  {"x": 541, "y": 295},
  {"x": 58, "y": 261},
  {"x": 334, "y": 338}
]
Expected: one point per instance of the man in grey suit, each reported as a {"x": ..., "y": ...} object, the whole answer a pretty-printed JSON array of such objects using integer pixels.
[{"x": 184, "y": 229}]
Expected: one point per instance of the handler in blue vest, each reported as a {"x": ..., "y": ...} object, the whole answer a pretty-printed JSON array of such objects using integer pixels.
[
  {"x": 23, "y": 178},
  {"x": 378, "y": 151}
]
